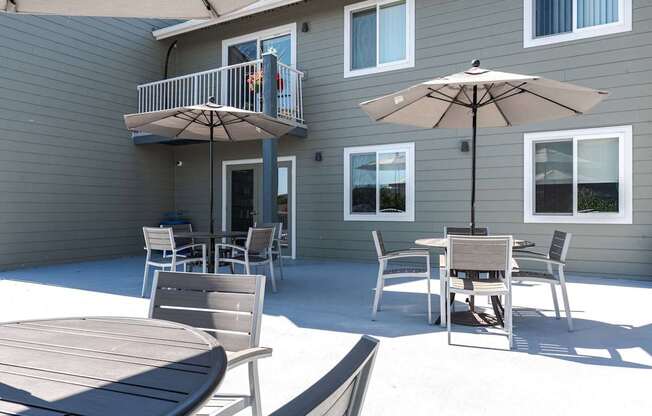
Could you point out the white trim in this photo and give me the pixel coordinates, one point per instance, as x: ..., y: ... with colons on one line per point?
x: 408, y: 62
x: 289, y: 29
x: 408, y: 215
x: 624, y: 24
x: 625, y: 203
x: 293, y: 161
x: 192, y: 25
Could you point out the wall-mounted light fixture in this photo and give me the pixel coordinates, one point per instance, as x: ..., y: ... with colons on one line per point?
x: 318, y: 157
x: 179, y: 163
x: 464, y: 147
x: 305, y: 27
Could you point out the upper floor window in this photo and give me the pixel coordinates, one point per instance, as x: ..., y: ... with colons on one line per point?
x: 579, y: 176
x: 378, y: 36
x: 250, y: 47
x: 552, y: 21
x: 379, y: 183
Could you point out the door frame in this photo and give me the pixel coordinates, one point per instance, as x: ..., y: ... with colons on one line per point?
x: 293, y: 161
x: 260, y: 35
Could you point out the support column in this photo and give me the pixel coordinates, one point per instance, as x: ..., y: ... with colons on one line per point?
x: 270, y: 145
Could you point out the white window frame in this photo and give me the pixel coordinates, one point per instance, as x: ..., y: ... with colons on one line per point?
x: 289, y: 29
x: 408, y: 215
x: 623, y: 133
x: 408, y: 62
x: 624, y: 24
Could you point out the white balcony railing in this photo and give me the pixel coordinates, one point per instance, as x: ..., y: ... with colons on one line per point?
x: 239, y: 86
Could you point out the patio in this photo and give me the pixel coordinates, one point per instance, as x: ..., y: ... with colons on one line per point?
x: 322, y: 307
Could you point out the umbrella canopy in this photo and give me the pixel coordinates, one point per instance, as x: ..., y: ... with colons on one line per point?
x: 484, y: 98
x: 194, y: 122
x: 162, y: 9
x: 208, y: 122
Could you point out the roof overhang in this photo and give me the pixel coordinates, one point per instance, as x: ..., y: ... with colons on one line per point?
x: 191, y: 25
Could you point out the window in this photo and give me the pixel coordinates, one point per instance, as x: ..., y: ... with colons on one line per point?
x: 579, y: 176
x: 378, y: 36
x: 379, y: 183
x: 252, y: 46
x: 552, y: 21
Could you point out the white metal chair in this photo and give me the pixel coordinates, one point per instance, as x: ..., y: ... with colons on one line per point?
x: 480, y: 254
x: 342, y: 390
x: 556, y: 257
x: 387, y: 270
x: 276, y: 244
x: 442, y: 266
x: 227, y: 306
x: 162, y: 240
x: 257, y: 251
x: 180, y: 228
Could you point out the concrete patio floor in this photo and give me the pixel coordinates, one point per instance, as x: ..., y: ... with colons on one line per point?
x: 322, y: 307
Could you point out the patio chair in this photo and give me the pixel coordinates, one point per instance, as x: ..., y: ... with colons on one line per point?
x: 257, y: 251
x: 180, y: 228
x: 276, y: 245
x: 480, y: 254
x: 390, y: 268
x: 342, y: 390
x: 226, y: 306
x: 442, y: 265
x: 162, y: 239
x: 556, y: 257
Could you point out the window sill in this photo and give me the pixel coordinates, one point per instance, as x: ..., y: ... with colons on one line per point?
x: 378, y: 69
x: 589, y: 219
x: 590, y: 32
x: 377, y: 218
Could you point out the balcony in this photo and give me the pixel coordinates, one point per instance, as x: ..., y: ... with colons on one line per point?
x: 239, y: 86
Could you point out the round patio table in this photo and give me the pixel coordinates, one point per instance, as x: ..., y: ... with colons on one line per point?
x: 470, y: 317
x: 106, y: 367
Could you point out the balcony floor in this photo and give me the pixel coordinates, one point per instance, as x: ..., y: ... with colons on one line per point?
x: 322, y: 307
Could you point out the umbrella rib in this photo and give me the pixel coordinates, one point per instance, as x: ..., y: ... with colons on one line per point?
x: 446, y: 110
x: 186, y: 126
x: 502, y: 94
x: 452, y: 100
x: 487, y: 90
x: 243, y: 119
x: 550, y: 100
x: 403, y: 106
x: 228, y: 135
x: 500, y: 110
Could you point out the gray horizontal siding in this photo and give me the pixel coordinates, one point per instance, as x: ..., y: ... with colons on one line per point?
x: 449, y: 33
x: 73, y: 185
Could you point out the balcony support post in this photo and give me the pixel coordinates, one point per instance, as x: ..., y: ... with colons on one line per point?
x: 270, y: 145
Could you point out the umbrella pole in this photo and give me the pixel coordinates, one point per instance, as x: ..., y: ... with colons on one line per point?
x: 474, y: 111
x: 210, y: 184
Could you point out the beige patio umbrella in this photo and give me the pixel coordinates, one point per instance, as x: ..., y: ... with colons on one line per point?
x: 482, y: 98
x: 208, y: 122
x: 161, y: 9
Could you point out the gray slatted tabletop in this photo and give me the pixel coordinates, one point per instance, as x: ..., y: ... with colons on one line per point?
x: 106, y: 367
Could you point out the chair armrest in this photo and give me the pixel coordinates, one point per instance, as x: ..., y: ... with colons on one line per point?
x: 540, y: 260
x: 232, y: 246
x: 234, y: 359
x: 528, y: 253
x: 405, y: 254
x: 187, y: 246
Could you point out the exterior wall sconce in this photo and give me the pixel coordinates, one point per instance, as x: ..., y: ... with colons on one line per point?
x: 179, y: 163
x: 464, y: 148
x: 305, y: 27
x: 318, y: 157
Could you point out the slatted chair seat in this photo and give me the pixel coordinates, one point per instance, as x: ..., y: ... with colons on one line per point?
x: 404, y: 270
x: 223, y: 405
x: 478, y: 286
x: 257, y: 251
x: 532, y: 275
x: 252, y: 258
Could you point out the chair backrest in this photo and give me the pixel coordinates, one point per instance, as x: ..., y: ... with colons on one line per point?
x: 480, y: 253
x: 157, y: 238
x: 379, y: 243
x: 259, y: 240
x: 181, y: 228
x: 228, y: 306
x: 465, y: 231
x: 341, y: 391
x: 277, y: 226
x: 559, y: 245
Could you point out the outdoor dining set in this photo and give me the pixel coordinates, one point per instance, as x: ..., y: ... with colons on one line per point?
x: 476, y: 264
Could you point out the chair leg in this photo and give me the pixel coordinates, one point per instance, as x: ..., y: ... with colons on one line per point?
x: 564, y: 294
x: 429, y: 303
x: 280, y: 263
x: 509, y: 320
x: 271, y: 273
x: 379, y: 290
x: 553, y: 289
x: 254, y: 389
x: 448, y: 316
x: 442, y: 297
x: 142, y: 295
